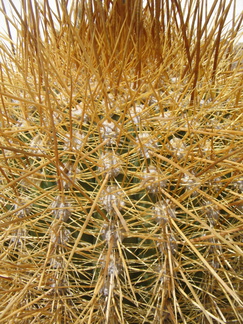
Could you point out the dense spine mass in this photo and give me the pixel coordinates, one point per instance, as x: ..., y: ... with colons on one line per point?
x: 121, y: 164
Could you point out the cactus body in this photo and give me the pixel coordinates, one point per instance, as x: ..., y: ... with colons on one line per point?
x: 121, y: 166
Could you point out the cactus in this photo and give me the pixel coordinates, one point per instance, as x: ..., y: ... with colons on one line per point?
x: 121, y: 163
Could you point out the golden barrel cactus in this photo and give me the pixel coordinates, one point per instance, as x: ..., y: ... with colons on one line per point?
x: 121, y: 163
